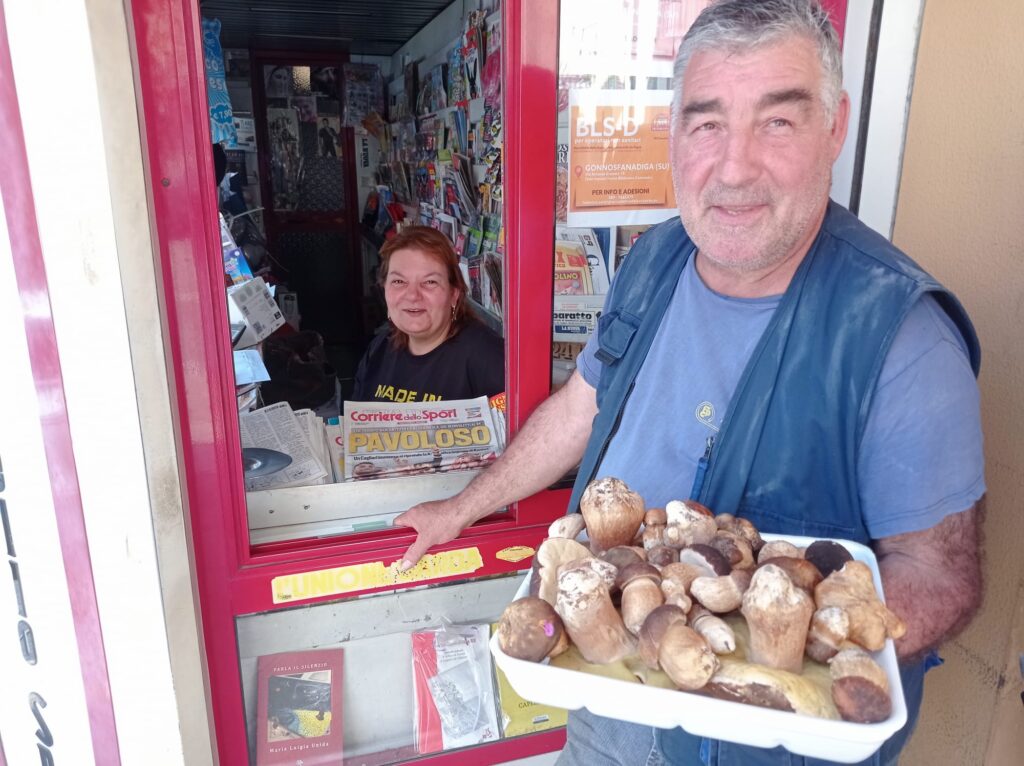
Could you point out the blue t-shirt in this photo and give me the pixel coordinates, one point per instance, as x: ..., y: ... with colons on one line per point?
x: 921, y: 455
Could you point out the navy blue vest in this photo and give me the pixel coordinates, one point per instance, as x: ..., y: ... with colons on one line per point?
x: 785, y: 456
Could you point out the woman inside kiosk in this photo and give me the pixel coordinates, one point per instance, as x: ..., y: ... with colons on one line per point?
x: 435, y: 349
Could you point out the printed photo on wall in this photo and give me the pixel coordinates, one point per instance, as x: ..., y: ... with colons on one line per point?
x: 306, y: 107
x: 278, y: 81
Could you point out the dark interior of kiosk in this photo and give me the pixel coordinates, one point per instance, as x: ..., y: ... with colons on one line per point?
x: 308, y: 82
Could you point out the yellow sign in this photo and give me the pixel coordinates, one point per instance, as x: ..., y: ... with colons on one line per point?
x: 333, y: 582
x: 515, y: 553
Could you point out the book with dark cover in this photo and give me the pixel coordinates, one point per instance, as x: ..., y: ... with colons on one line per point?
x: 299, y: 708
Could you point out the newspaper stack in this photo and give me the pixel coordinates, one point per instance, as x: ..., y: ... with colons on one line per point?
x: 386, y: 439
x: 300, y: 435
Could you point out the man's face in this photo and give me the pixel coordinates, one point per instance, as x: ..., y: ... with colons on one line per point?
x: 752, y: 153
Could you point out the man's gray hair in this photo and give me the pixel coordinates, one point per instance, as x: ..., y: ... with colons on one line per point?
x: 739, y: 25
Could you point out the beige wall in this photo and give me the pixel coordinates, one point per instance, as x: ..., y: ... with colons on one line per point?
x: 961, y: 214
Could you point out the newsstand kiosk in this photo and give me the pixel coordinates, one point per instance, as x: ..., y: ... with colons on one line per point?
x: 317, y: 588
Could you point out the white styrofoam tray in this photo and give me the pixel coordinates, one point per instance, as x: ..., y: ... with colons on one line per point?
x: 840, y: 741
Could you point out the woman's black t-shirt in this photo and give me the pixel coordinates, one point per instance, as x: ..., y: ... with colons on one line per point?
x: 468, y: 365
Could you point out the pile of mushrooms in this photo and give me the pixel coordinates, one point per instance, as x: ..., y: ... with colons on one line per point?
x: 655, y: 584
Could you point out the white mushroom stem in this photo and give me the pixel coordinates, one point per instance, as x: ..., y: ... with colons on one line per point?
x: 829, y: 628
x: 778, y: 615
x: 590, y: 618
x: 714, y: 629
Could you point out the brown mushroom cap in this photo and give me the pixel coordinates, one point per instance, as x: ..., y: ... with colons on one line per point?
x: 655, y: 517
x: 860, y: 687
x: 636, y: 571
x: 735, y: 548
x: 654, y: 628
x: 705, y: 557
x: 742, y: 527
x: 685, y: 657
x: 621, y: 556
x: 530, y: 629
x: 662, y: 555
x: 774, y: 548
x: 827, y: 555
x: 801, y: 571
x: 613, y: 513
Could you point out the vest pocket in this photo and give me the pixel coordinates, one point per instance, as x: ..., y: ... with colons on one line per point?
x: 615, y: 333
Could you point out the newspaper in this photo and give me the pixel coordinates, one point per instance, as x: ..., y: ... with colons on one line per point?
x: 276, y: 427
x: 386, y: 439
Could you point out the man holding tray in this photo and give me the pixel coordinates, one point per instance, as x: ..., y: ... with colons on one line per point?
x: 769, y: 356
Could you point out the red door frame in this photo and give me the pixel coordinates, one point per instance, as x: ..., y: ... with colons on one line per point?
x: 234, y: 579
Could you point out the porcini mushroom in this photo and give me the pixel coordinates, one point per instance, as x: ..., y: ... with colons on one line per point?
x: 801, y: 571
x: 860, y: 687
x: 612, y: 512
x: 675, y: 583
x: 742, y: 527
x: 716, y: 631
x: 662, y: 555
x: 568, y: 526
x: 685, y: 657
x: 723, y: 593
x: 775, y: 548
x: 530, y: 629
x: 654, y: 628
x: 829, y: 628
x: 853, y: 589
x: 735, y: 548
x: 553, y: 553
x: 688, y: 524
x: 828, y: 556
x: 590, y: 618
x: 640, y: 584
x: 778, y: 615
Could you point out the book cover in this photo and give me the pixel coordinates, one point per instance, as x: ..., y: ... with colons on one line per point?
x: 299, y: 709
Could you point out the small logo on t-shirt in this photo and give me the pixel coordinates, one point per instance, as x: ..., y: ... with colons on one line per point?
x: 705, y: 413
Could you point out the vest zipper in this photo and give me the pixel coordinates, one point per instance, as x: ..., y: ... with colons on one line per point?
x: 702, y: 469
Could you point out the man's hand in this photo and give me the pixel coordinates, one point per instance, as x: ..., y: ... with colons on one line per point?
x: 932, y: 580
x: 435, y: 522
x: 550, y: 443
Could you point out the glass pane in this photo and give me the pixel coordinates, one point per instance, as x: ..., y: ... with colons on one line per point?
x: 406, y: 689
x: 422, y: 133
x: 611, y: 164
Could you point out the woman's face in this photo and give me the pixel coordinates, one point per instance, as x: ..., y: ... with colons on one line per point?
x: 419, y: 298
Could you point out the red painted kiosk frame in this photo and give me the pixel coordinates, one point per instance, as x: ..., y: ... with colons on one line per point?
x: 233, y: 577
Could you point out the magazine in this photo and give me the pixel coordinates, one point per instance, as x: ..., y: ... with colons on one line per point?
x: 572, y: 272
x: 411, y: 438
x: 454, y: 692
x: 588, y: 243
x: 299, y: 704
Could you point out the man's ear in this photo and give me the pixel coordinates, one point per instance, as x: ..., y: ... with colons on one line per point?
x: 840, y: 124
